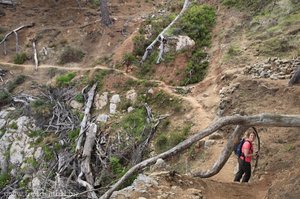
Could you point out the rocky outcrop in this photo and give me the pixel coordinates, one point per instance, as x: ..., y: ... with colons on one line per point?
x: 178, y: 43
x: 274, y: 68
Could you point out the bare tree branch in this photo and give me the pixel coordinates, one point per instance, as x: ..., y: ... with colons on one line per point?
x: 224, y: 156
x: 160, y: 36
x: 256, y: 120
x: 15, y: 32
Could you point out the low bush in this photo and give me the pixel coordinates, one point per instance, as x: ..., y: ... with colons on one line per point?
x: 20, y: 58
x: 64, y: 80
x: 70, y: 54
x: 11, y: 85
x: 4, y: 180
x: 79, y: 98
x: 198, y: 22
x: 196, y: 68
x: 5, y: 97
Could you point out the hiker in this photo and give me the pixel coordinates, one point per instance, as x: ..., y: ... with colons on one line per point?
x: 245, y: 158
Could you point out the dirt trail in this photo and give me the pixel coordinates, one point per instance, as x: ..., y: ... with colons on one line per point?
x: 197, y: 108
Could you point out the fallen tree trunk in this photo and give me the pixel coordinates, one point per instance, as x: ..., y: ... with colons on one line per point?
x: 160, y: 36
x: 85, y: 164
x: 86, y: 117
x: 256, y: 120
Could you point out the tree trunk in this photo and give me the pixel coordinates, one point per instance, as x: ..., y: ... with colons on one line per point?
x: 246, y: 121
x: 86, y: 116
x: 105, y: 19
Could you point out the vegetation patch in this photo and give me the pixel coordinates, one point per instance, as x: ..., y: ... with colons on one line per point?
x: 64, y: 80
x: 4, y: 180
x: 253, y: 5
x: 20, y: 58
x: 198, y: 22
x: 70, y: 54
x: 196, y: 68
x: 11, y: 85
x: 166, y: 141
x: 5, y: 97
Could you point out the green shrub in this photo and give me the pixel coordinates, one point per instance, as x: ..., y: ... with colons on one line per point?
x: 11, y: 85
x: 73, y: 135
x: 135, y: 122
x: 162, y: 143
x: 196, y: 68
x: 13, y: 125
x: 20, y: 58
x: 140, y: 44
x: 176, y: 138
x: 4, y: 180
x: 116, y: 166
x: 48, y: 153
x: 5, y: 97
x: 198, y: 22
x: 64, y: 80
x: 71, y: 55
x: 79, y: 98
x: 129, y: 59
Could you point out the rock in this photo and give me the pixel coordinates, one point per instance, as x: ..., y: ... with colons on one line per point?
x: 160, y: 165
x: 115, y: 99
x: 2, y: 123
x: 103, y: 118
x: 76, y: 105
x: 38, y: 154
x: 36, y: 185
x: 3, y: 113
x: 130, y: 109
x: 131, y: 95
x: 151, y: 91
x: 209, y: 143
x: 178, y: 43
x: 112, y: 108
x: 101, y: 100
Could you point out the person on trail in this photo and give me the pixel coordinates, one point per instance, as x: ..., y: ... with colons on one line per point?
x: 245, y: 159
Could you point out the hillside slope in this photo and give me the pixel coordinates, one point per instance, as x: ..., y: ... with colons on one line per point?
x: 252, y: 55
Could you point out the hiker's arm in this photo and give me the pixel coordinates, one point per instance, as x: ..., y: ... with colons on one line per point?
x: 246, y: 153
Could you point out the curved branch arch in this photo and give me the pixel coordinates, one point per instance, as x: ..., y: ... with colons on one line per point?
x: 244, y: 123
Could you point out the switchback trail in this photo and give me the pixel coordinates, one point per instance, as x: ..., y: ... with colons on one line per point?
x: 197, y: 108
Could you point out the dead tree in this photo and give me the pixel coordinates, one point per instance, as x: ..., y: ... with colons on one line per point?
x: 244, y: 122
x: 36, y: 61
x: 16, y: 34
x: 86, y: 170
x: 86, y: 117
x: 160, y: 37
x: 105, y: 19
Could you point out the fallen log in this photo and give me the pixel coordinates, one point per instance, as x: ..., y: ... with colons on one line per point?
x: 85, y: 164
x: 86, y: 117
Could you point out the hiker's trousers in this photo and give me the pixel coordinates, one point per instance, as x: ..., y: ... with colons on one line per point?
x: 244, y: 168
